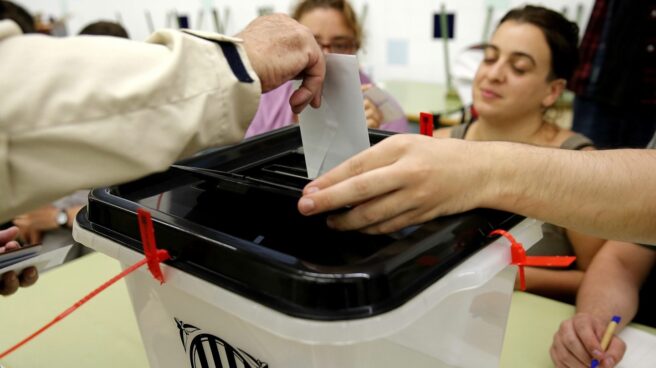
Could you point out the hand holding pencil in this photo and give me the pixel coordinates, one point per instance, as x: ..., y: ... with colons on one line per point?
x: 580, y: 340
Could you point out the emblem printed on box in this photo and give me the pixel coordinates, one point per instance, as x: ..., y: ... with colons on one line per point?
x: 206, y: 350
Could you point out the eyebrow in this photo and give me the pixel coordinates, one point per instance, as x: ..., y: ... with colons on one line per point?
x: 514, y: 53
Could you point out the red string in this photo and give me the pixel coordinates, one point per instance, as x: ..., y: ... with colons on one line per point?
x: 155, y: 256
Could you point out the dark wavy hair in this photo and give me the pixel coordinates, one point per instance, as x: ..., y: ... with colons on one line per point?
x: 18, y: 14
x: 562, y: 37
x: 105, y: 28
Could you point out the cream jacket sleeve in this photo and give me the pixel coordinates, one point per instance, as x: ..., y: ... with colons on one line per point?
x: 90, y: 111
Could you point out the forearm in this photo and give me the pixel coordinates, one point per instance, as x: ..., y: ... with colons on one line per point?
x: 103, y: 111
x: 608, y: 290
x: 606, y: 193
x: 553, y: 283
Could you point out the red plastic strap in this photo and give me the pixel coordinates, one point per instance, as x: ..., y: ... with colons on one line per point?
x: 426, y: 125
x: 150, y: 248
x: 154, y: 255
x: 519, y: 258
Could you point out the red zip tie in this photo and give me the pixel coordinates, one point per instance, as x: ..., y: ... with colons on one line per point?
x: 519, y: 258
x: 150, y: 248
x: 153, y: 258
x: 426, y: 125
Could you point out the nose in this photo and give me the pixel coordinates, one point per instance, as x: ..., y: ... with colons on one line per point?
x: 497, y: 71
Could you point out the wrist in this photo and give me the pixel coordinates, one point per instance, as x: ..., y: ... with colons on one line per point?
x: 496, y: 167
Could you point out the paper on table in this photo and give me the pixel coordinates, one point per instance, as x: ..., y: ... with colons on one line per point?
x: 640, y: 348
x: 338, y: 129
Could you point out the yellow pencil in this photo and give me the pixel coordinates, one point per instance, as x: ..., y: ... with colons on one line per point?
x: 605, y: 341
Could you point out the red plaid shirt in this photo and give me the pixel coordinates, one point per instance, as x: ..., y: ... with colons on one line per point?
x: 589, y: 47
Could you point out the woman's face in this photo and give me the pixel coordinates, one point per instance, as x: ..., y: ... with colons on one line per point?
x: 511, y: 81
x: 330, y: 30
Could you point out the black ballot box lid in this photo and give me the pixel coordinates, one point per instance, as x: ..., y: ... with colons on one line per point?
x: 229, y: 216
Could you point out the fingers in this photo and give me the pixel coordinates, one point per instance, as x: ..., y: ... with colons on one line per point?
x: 351, y: 182
x: 373, y: 216
x: 9, y: 283
x: 380, y: 155
x: 577, y: 342
x: 614, y: 353
x: 396, y: 222
x: 360, y: 188
x: 35, y: 237
x: 28, y: 277
x: 9, y: 234
x: 372, y: 114
x: 300, y: 99
x: 280, y: 49
x: 23, y: 225
x: 589, y: 331
x: 567, y: 349
x: 312, y: 85
x: 11, y: 245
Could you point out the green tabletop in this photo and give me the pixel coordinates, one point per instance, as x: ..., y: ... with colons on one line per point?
x: 416, y: 97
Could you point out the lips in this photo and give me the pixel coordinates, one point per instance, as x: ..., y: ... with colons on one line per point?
x: 489, y: 94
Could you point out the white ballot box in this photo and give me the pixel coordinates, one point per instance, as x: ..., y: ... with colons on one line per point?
x: 252, y: 283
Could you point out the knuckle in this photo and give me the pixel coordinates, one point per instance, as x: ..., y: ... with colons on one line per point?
x: 369, y: 217
x: 356, y: 167
x: 361, y: 187
x: 569, y: 340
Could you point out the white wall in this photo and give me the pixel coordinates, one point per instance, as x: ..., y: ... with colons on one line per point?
x: 409, y: 21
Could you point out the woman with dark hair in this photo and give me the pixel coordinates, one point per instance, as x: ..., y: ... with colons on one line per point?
x: 105, y: 28
x: 526, y: 65
x: 336, y: 29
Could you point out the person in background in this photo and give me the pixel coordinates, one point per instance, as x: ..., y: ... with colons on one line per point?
x: 615, y: 84
x: 100, y: 111
x: 52, y: 224
x: 10, y: 281
x: 105, y: 28
x: 526, y: 65
x: 336, y: 29
x: 18, y: 15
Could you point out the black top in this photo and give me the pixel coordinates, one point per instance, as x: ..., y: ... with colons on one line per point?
x: 229, y: 216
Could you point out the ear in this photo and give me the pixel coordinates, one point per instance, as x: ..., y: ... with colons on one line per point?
x: 554, y: 90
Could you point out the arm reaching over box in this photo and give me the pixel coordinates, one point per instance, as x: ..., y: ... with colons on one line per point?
x: 409, y: 179
x: 113, y: 110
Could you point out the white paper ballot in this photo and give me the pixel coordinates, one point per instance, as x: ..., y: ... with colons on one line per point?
x: 640, y: 348
x: 338, y: 129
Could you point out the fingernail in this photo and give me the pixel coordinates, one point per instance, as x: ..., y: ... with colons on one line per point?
x: 30, y: 272
x: 596, y: 353
x: 306, y: 205
x: 330, y: 223
x: 311, y: 190
x: 609, y: 362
